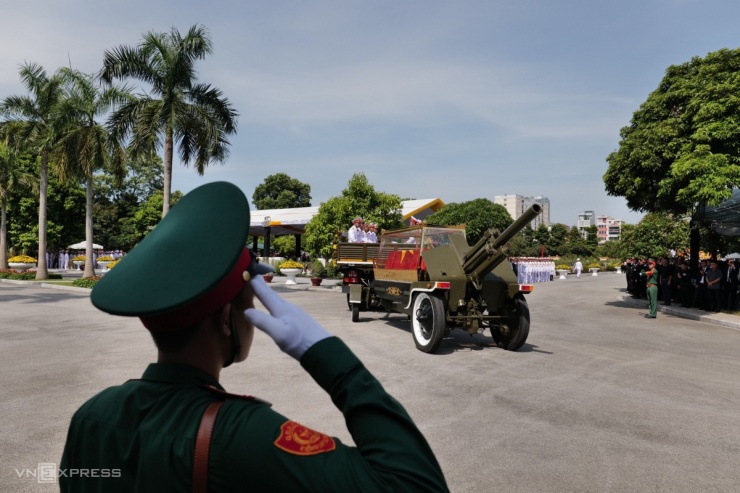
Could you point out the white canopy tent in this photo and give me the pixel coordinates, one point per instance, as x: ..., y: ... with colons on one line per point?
x: 81, y: 246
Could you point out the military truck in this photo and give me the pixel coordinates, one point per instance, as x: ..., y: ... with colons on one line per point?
x: 432, y: 275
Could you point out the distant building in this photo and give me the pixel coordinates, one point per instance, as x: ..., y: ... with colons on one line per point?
x: 608, y: 229
x: 515, y: 205
x: 585, y: 220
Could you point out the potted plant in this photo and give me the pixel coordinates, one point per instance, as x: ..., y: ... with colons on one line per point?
x: 267, y: 277
x: 563, y: 270
x: 21, y: 262
x: 318, y: 272
x: 78, y: 261
x: 104, y: 261
x: 291, y: 268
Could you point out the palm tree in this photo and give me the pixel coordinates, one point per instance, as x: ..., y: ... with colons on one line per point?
x: 31, y: 127
x: 11, y: 178
x: 195, y: 116
x: 84, y: 145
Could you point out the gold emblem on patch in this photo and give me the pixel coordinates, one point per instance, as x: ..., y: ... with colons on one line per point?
x: 299, y: 440
x: 393, y: 291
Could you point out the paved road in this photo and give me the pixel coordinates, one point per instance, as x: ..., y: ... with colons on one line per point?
x: 599, y: 399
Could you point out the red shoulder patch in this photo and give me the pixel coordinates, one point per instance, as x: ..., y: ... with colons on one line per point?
x: 296, y: 439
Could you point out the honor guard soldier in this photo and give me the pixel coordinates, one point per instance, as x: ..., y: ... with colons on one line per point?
x: 651, y: 282
x: 356, y: 234
x: 177, y: 429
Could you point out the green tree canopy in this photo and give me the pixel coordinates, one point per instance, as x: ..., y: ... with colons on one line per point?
x: 13, y: 179
x: 280, y: 191
x: 359, y: 199
x: 556, y: 241
x: 682, y: 146
x: 477, y: 215
x: 656, y: 235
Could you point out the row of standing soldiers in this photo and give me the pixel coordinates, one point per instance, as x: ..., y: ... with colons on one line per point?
x: 713, y: 287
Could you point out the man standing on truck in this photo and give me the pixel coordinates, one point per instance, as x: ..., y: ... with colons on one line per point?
x: 356, y: 234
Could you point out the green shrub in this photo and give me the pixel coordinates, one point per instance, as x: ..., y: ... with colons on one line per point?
x: 318, y: 269
x: 331, y: 270
x: 24, y: 276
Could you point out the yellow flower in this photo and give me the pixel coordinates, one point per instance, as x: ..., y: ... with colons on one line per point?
x: 291, y: 264
x: 22, y: 259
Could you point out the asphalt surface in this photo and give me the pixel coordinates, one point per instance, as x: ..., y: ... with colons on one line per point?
x: 599, y: 399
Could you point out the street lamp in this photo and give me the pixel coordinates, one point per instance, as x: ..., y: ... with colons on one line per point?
x: 266, y: 245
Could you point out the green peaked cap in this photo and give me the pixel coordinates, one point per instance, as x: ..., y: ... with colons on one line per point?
x: 190, y: 252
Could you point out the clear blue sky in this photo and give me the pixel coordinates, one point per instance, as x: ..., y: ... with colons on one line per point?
x: 455, y: 100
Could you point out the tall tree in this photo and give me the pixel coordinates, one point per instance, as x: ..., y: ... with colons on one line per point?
x: 682, y: 146
x: 477, y: 215
x: 84, y: 144
x: 280, y: 191
x: 12, y: 179
x: 656, y: 235
x: 30, y: 126
x: 195, y: 116
x: 359, y: 199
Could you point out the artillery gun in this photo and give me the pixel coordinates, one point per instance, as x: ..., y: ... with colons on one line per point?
x: 432, y: 275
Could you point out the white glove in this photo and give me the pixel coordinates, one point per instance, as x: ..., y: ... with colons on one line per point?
x: 292, y: 329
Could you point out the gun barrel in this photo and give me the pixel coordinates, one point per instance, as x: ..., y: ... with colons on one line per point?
x: 485, y: 255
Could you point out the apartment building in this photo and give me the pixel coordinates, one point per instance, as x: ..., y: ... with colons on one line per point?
x: 608, y: 228
x: 515, y: 205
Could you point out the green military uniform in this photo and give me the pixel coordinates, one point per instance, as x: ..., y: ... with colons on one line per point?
x: 141, y: 435
x: 651, y: 281
x: 146, y: 428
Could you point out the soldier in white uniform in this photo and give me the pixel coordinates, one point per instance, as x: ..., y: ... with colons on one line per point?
x: 355, y: 233
x: 371, y: 236
x: 578, y: 267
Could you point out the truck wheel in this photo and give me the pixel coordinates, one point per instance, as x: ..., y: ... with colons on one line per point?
x: 428, y: 322
x: 512, y: 335
x: 355, y: 312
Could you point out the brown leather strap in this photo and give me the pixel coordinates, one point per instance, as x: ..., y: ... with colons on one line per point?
x: 203, y: 447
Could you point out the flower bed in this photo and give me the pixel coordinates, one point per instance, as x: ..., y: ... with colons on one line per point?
x: 86, y: 282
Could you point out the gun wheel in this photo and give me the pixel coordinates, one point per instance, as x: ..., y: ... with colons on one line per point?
x: 428, y: 322
x: 513, y: 334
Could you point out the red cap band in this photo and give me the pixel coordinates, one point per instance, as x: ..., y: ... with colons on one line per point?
x: 195, y: 311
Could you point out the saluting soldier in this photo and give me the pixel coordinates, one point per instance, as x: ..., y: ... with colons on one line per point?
x: 177, y: 429
x: 651, y: 282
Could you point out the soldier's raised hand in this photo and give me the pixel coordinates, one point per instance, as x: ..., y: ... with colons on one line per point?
x: 292, y: 329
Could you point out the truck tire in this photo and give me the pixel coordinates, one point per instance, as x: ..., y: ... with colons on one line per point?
x: 428, y: 322
x: 513, y: 334
x: 355, y: 312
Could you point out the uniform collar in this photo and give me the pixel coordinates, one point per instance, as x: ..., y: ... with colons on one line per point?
x: 179, y: 374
